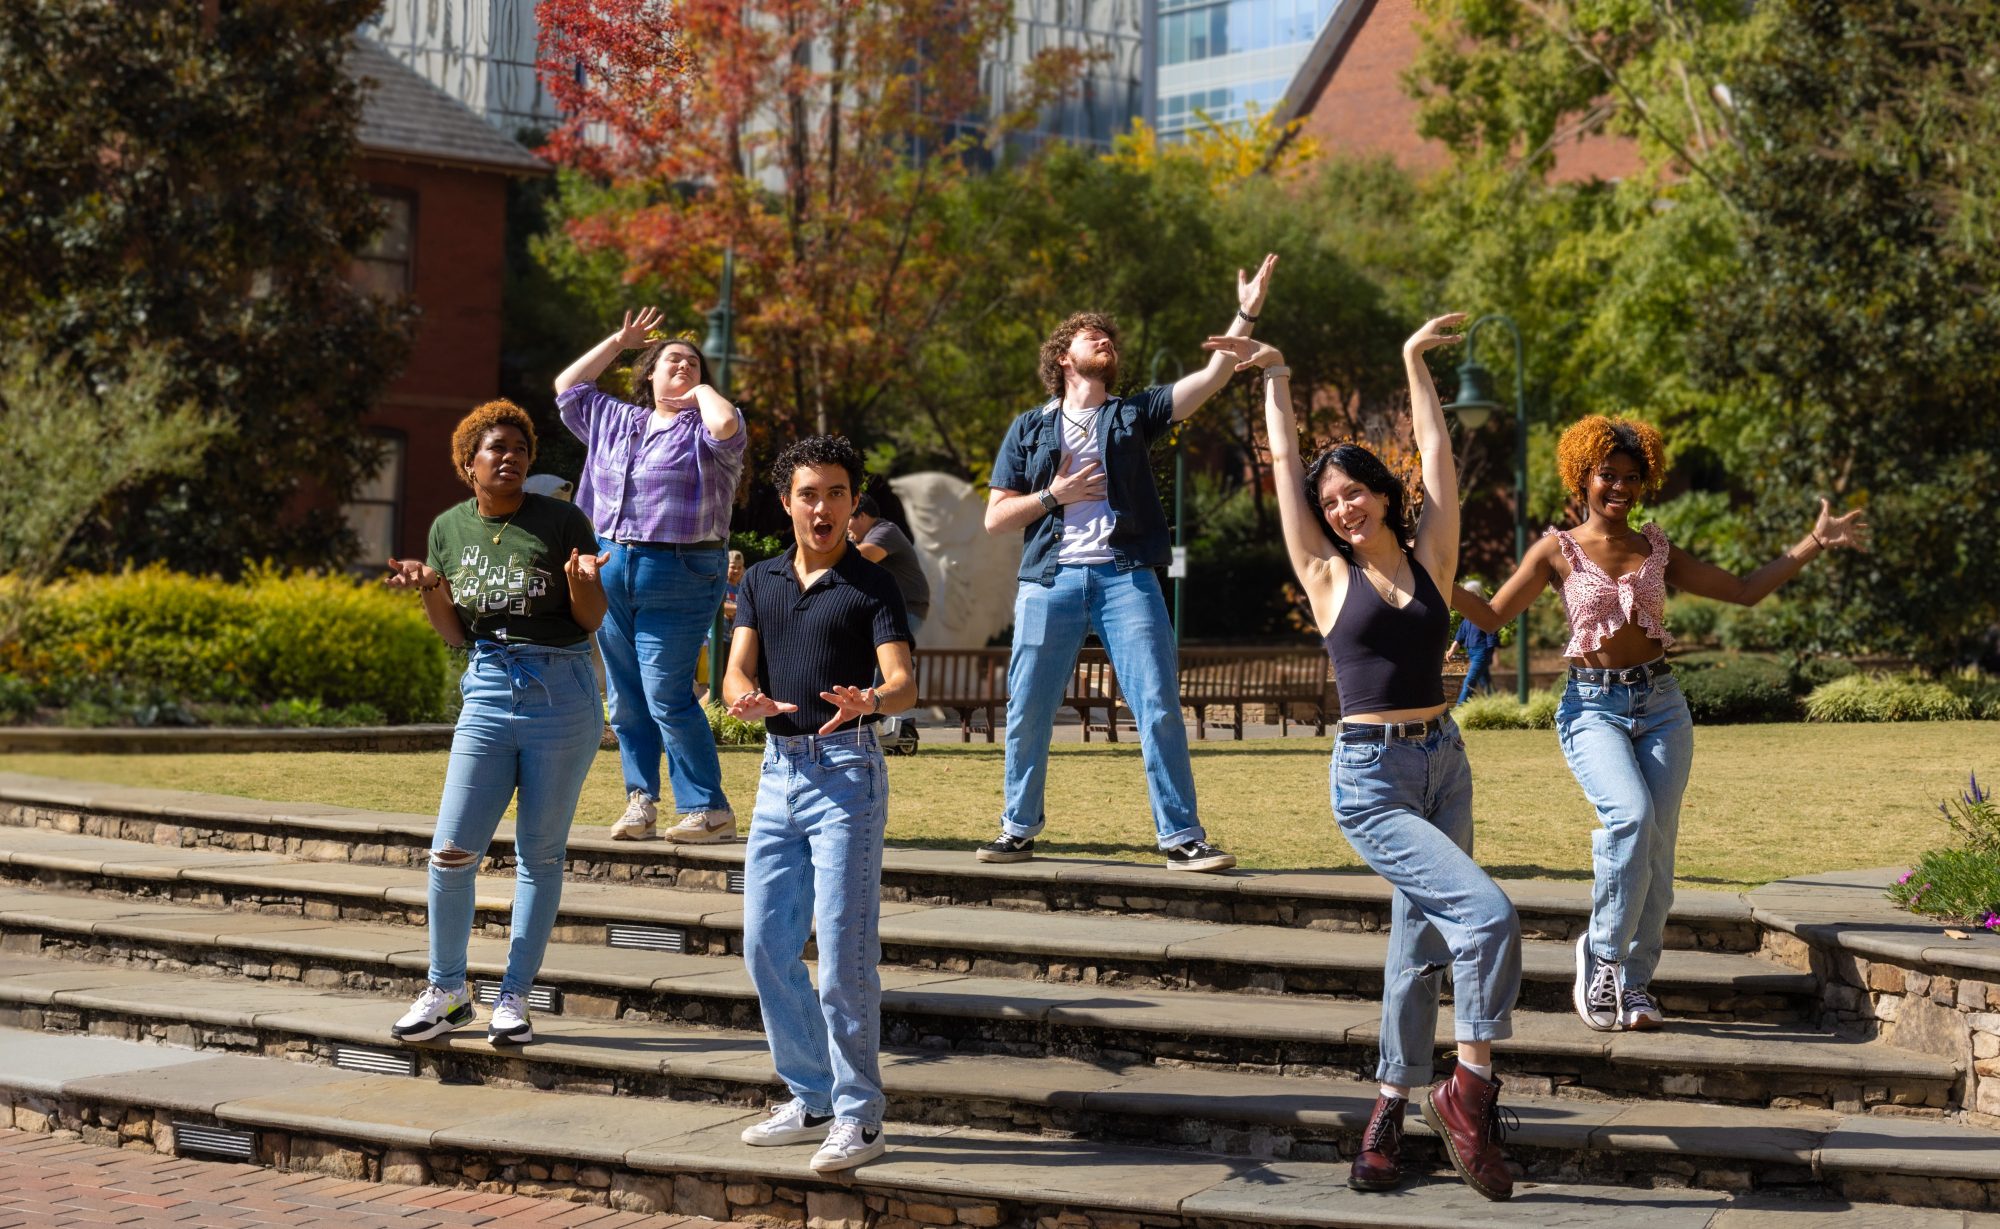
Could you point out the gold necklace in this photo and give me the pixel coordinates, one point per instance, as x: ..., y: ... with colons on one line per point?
x: 1388, y: 598
x: 510, y: 520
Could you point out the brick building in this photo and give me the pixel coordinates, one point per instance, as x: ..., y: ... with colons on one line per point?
x: 442, y: 174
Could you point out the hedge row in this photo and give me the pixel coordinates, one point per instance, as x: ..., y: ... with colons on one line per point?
x: 158, y: 637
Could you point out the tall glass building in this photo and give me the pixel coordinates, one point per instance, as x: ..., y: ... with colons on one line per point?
x: 1217, y: 57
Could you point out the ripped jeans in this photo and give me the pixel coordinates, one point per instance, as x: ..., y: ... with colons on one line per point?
x: 530, y: 725
x: 1405, y: 805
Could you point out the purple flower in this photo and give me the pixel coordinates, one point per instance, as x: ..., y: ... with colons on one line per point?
x: 1905, y: 878
x: 1977, y: 795
x: 1992, y: 921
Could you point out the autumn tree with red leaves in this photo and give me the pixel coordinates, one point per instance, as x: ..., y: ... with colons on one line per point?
x: 818, y: 138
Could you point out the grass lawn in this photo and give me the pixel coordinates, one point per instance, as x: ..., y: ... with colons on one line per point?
x: 1765, y: 801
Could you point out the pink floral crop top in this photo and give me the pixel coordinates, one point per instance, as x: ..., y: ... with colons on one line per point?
x: 1599, y: 604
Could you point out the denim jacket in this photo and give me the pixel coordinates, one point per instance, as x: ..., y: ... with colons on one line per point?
x: 1127, y: 429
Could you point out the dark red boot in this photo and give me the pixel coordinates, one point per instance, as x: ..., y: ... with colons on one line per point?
x: 1464, y: 1110
x: 1379, y: 1164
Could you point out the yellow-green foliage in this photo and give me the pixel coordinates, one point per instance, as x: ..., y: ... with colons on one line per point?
x: 1859, y: 697
x: 270, y: 636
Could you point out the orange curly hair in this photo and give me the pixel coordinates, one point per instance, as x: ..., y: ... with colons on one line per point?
x: 473, y: 427
x: 1589, y: 440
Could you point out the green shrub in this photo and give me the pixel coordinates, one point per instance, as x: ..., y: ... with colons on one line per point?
x: 17, y: 699
x: 1693, y: 620
x: 731, y: 731
x: 1491, y: 711
x: 141, y: 646
x: 1540, y: 712
x: 1813, y: 672
x: 1980, y: 692
x: 1880, y: 697
x: 1960, y: 882
x: 1738, y: 689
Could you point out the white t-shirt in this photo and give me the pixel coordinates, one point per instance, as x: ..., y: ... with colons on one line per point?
x: 1086, y: 536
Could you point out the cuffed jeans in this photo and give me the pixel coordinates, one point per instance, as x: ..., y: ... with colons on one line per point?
x: 660, y: 603
x: 1478, y: 675
x: 1630, y: 746
x: 1130, y: 618
x: 530, y: 725
x: 1406, y: 808
x: 814, y: 861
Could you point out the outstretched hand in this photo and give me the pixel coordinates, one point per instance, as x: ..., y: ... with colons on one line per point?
x: 408, y: 574
x: 1251, y: 288
x: 632, y: 334
x: 755, y: 706
x: 1432, y: 335
x: 1850, y: 531
x: 1247, y: 352
x: 585, y: 568
x: 848, y: 703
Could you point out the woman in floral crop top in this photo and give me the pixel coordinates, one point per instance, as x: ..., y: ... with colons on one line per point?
x: 1623, y: 722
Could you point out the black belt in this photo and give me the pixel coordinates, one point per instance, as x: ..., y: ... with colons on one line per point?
x: 1394, y: 729
x: 1630, y: 676
x: 709, y: 545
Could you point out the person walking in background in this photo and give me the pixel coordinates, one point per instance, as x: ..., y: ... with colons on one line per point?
x: 513, y: 578
x: 658, y: 482
x: 1480, y: 646
x: 813, y: 627
x: 1075, y: 477
x: 1623, y: 722
x: 1402, y: 791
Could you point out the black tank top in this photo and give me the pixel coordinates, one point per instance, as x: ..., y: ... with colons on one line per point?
x: 1384, y: 658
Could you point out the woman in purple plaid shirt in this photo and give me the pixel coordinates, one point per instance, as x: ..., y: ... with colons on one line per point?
x: 658, y: 483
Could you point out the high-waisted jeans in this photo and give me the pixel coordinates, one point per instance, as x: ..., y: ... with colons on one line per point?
x: 814, y: 862
x: 530, y: 726
x: 660, y: 604
x: 1630, y: 746
x: 1406, y: 808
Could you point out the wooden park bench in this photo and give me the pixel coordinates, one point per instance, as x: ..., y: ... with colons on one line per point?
x: 1288, y: 678
x: 963, y: 681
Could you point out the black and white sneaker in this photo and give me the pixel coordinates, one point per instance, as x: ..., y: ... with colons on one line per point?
x: 848, y: 1145
x: 1642, y: 1012
x: 509, y: 1024
x: 788, y: 1124
x: 1008, y: 849
x: 1596, y: 992
x: 1199, y: 856
x: 434, y: 1013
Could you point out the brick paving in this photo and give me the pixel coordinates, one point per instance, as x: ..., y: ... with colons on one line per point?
x: 58, y: 1182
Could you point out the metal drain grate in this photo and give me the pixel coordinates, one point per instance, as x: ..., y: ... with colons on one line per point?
x: 214, y: 1141
x: 540, y: 998
x: 374, y: 1062
x: 736, y: 882
x: 647, y: 938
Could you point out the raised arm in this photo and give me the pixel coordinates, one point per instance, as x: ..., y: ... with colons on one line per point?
x: 1437, y: 532
x: 1703, y: 579
x: 1193, y: 390
x: 629, y: 335
x: 718, y: 414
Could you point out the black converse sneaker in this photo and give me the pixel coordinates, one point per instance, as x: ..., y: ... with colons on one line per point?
x: 1642, y: 1012
x: 1199, y: 856
x: 1596, y: 992
x: 1008, y: 849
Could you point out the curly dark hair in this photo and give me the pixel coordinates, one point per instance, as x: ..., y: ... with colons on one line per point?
x: 1058, y: 345
x: 642, y: 371
x: 471, y: 429
x: 1367, y: 469
x: 819, y: 450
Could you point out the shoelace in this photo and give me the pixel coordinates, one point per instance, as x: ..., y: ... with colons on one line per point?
x: 844, y: 1135
x: 1603, y: 991
x: 432, y: 998
x: 1640, y: 1000
x: 512, y: 1003
x: 1501, y: 1123
x: 1386, y: 1125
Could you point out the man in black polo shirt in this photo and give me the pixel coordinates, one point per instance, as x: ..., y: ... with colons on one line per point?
x: 813, y: 626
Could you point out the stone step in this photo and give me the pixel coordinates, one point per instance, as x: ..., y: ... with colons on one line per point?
x: 1176, y: 953
x: 1560, y: 1138
x: 685, y: 1156
x: 1321, y: 900
x: 1741, y: 1062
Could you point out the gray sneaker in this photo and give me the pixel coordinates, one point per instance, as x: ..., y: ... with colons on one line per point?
x: 1597, y: 990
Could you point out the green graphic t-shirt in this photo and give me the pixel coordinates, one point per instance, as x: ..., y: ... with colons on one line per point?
x: 514, y: 589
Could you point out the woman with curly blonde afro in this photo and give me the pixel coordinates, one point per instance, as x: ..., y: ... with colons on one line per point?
x: 1623, y: 722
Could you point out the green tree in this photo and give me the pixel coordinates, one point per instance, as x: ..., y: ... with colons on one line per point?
x: 184, y: 184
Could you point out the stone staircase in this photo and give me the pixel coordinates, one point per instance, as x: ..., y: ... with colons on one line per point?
x: 1108, y: 1042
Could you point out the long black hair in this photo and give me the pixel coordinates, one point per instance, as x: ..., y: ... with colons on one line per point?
x: 642, y: 371
x: 1367, y: 469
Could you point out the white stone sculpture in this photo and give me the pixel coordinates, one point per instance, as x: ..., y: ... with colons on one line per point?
x: 971, y: 572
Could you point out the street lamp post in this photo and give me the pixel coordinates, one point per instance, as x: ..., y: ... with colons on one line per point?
x: 1475, y: 404
x: 720, y: 346
x: 1161, y: 357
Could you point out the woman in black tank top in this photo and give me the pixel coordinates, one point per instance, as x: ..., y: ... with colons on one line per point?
x: 1402, y: 793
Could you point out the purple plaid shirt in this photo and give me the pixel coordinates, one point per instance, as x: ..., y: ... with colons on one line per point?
x: 674, y: 485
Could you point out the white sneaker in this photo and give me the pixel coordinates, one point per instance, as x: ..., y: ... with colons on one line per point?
x: 636, y: 824
x: 704, y: 828
x: 509, y: 1023
x: 846, y: 1146
x: 435, y: 1012
x: 788, y: 1124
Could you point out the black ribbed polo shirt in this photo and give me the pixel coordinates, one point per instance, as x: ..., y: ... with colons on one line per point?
x: 811, y: 641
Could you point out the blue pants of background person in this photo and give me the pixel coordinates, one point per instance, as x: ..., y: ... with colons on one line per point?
x: 1478, y: 673
x: 814, y: 862
x: 659, y: 604
x: 530, y: 726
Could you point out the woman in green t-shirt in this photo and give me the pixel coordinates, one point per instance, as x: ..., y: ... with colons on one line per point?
x: 511, y: 578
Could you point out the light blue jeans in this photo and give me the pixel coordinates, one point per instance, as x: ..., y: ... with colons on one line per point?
x: 1630, y: 747
x: 530, y: 725
x: 660, y: 604
x: 1130, y: 618
x: 1406, y: 808
x: 814, y: 862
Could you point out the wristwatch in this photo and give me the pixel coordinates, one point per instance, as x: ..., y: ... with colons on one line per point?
x: 875, y: 698
x: 1049, y: 501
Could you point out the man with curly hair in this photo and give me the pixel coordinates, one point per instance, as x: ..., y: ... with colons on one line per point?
x: 1623, y: 722
x: 1075, y: 477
